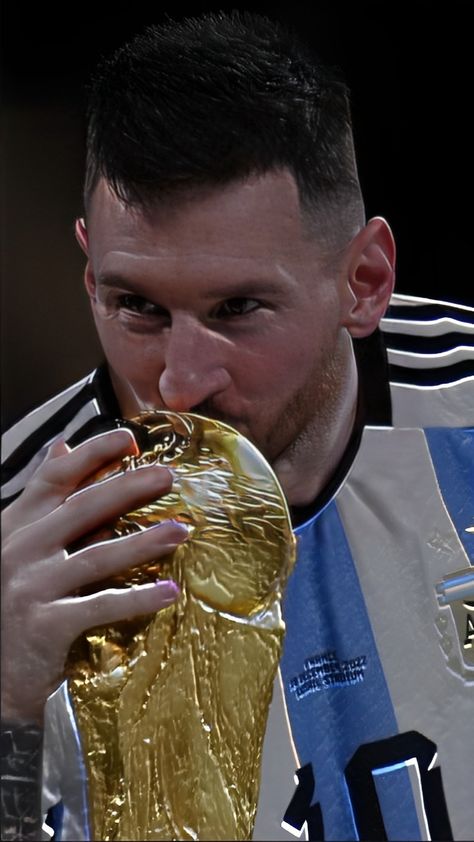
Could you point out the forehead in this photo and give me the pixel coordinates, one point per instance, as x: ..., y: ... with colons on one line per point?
x: 258, y: 218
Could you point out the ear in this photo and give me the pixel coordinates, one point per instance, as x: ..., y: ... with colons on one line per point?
x: 370, y: 274
x: 82, y: 238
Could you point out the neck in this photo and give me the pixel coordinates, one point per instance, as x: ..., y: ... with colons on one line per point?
x: 306, y: 467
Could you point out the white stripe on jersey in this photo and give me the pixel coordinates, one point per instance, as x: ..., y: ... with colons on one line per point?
x: 64, y: 775
x: 27, y: 425
x: 417, y: 545
x: 428, y: 341
x: 447, y: 405
x: 412, y: 359
x: 279, y: 762
x: 428, y: 328
x: 18, y: 482
x: 408, y: 301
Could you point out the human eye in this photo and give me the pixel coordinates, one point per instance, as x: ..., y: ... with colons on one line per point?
x: 235, y: 307
x: 138, y: 306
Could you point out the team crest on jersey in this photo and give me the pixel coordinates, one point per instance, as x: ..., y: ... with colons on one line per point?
x: 455, y: 623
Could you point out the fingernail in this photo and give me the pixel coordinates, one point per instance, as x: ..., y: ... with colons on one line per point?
x: 181, y: 531
x: 161, y: 474
x: 169, y: 590
x: 57, y: 446
x: 131, y: 443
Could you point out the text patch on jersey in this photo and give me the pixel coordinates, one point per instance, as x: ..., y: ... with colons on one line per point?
x: 323, y: 671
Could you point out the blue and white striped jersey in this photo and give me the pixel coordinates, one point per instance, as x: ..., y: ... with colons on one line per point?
x: 376, y: 689
x: 370, y: 733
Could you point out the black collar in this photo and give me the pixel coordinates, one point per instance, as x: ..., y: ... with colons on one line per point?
x: 373, y: 407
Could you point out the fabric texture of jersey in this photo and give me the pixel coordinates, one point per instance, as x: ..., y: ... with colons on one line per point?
x: 370, y: 732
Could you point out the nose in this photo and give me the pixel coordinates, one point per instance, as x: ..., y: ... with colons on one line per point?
x: 194, y: 365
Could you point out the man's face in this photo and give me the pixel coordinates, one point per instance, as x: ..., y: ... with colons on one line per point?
x: 220, y: 303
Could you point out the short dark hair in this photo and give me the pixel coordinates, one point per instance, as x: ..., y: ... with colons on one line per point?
x: 212, y: 99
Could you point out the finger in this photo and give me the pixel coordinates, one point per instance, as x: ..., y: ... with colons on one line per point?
x: 58, y: 448
x: 20, y: 512
x: 95, y: 506
x: 101, y: 561
x: 114, y: 605
x: 63, y: 470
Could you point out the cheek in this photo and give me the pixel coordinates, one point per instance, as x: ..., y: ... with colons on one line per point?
x: 134, y: 357
x: 276, y: 360
x: 282, y: 366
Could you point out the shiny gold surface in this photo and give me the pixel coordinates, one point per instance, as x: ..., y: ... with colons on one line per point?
x: 172, y: 707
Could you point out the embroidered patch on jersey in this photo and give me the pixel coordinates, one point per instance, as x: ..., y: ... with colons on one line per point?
x: 324, y: 671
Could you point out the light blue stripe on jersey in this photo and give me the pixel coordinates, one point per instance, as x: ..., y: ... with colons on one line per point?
x: 324, y: 610
x: 452, y: 454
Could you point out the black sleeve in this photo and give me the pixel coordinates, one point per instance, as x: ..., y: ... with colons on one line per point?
x: 21, y: 767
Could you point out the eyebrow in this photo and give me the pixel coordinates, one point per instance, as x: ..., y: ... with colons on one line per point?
x: 246, y: 288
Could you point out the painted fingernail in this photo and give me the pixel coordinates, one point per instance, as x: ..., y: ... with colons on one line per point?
x: 180, y: 531
x: 169, y: 591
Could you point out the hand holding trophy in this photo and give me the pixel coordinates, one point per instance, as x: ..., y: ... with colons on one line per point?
x: 172, y: 707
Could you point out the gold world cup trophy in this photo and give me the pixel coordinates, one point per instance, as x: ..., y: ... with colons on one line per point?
x: 172, y: 707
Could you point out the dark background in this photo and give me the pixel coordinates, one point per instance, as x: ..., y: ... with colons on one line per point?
x: 408, y: 66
